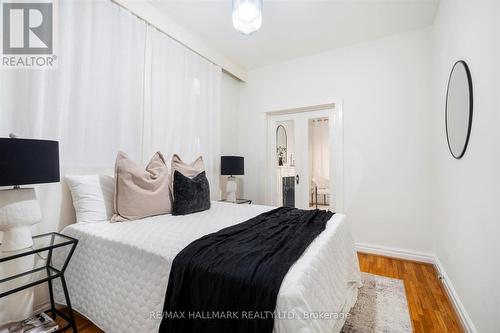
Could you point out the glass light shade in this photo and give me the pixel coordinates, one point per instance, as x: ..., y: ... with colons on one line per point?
x: 247, y: 15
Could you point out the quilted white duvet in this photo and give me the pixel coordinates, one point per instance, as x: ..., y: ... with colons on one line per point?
x: 118, y: 274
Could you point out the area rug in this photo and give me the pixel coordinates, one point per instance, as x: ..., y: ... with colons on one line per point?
x: 381, y: 307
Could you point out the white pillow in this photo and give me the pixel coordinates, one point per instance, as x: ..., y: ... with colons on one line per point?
x: 93, y: 197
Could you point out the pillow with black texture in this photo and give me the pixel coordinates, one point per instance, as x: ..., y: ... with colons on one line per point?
x: 191, y: 195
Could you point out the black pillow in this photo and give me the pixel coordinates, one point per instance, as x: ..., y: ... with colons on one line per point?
x: 191, y: 195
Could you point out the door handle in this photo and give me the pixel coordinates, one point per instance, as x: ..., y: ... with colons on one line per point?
x: 297, y: 178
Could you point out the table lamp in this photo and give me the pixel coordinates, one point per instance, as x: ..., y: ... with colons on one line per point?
x: 23, y: 162
x: 232, y: 166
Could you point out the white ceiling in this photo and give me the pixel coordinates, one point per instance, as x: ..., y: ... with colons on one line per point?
x: 295, y: 28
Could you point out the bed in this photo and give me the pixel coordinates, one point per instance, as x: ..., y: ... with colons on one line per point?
x: 118, y: 275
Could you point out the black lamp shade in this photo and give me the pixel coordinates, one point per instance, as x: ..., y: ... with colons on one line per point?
x: 232, y: 165
x: 25, y: 161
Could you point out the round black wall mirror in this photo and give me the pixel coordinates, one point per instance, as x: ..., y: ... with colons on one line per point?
x: 459, y: 105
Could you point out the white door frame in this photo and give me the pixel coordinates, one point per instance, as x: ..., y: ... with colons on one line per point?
x: 336, y: 126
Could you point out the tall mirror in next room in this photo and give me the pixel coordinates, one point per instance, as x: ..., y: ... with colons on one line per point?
x: 281, y: 145
x: 285, y: 143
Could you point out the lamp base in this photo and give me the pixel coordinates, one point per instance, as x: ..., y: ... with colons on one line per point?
x: 231, y: 188
x: 16, y: 239
x: 19, y: 210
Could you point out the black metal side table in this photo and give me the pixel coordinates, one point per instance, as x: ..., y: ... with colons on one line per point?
x: 46, y: 273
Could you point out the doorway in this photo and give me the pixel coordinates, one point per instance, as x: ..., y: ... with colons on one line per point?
x: 304, y: 163
x: 319, y: 163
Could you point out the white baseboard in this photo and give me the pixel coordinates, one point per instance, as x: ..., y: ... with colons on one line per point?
x: 458, y: 306
x: 395, y: 253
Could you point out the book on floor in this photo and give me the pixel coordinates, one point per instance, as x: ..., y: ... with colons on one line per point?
x: 40, y: 323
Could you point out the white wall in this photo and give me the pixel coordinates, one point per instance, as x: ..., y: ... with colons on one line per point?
x: 467, y: 191
x: 384, y: 86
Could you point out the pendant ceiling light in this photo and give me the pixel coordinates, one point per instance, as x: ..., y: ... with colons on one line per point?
x: 247, y: 15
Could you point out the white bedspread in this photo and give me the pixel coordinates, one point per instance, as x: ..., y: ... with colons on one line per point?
x: 118, y: 274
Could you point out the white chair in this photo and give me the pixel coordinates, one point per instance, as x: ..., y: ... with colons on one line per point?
x: 320, y: 187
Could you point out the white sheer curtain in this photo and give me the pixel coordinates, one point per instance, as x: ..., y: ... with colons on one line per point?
x: 182, y: 112
x: 120, y: 84
x: 320, y: 149
x: 92, y: 102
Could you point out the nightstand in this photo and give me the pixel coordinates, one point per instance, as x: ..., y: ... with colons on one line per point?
x: 44, y: 243
x: 238, y: 201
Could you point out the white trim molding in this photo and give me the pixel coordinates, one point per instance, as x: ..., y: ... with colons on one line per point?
x: 404, y: 254
x: 395, y: 253
x: 459, y: 307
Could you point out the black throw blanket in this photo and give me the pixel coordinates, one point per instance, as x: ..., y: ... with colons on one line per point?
x: 228, y: 281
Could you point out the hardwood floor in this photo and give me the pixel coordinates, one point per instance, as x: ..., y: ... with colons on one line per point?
x: 430, y: 309
x: 83, y: 325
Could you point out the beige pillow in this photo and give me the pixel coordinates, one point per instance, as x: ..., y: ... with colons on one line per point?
x: 140, y: 193
x: 188, y: 170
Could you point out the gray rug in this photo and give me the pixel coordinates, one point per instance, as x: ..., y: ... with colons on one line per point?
x: 381, y: 307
